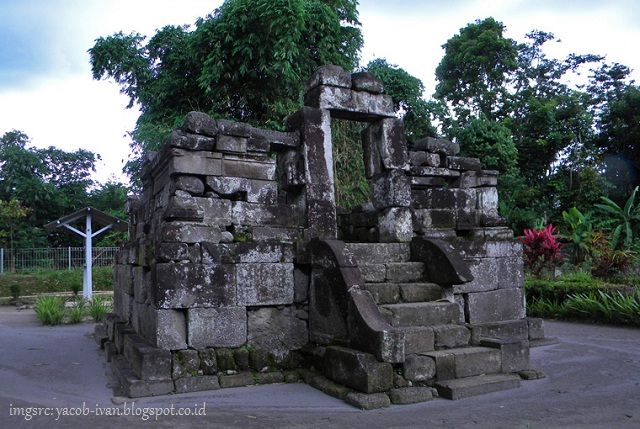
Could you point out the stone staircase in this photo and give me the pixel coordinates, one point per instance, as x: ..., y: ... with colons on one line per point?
x: 438, y: 349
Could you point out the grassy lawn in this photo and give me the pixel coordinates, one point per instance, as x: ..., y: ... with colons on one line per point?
x: 36, y: 282
x: 578, y: 295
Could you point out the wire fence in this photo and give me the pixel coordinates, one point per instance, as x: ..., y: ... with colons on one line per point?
x: 58, y: 258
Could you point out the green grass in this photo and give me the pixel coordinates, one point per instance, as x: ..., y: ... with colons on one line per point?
x: 37, y: 282
x: 579, y: 296
x: 50, y: 310
x: 98, y: 308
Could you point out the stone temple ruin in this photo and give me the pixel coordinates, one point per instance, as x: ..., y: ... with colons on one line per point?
x: 240, y: 270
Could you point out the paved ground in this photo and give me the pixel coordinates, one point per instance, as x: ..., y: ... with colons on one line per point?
x: 593, y: 380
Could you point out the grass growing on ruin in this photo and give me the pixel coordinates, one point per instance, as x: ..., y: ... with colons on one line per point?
x: 37, y: 282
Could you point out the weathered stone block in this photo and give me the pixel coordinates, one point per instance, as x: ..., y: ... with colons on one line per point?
x: 418, y: 339
x: 395, y: 225
x: 217, y: 327
x: 169, y: 327
x: 365, y: 81
x: 370, y: 401
x: 510, y: 272
x: 329, y: 75
x: 420, y: 158
x: 250, y: 168
x: 185, y: 285
x: 231, y: 144
x: 196, y: 384
x: 387, y: 137
x: 419, y: 368
x: 200, y: 123
x: 451, y: 336
x: 186, y: 363
x: 191, y: 184
x: 148, y: 363
x: 405, y: 271
x: 265, y: 284
x: 291, y: 167
x: 485, y: 276
x: 180, y: 232
x: 226, y: 360
x: 183, y: 208
x: 347, y: 104
x: 463, y: 163
x: 440, y: 146
x: 427, y: 182
x: 373, y: 273
x: 514, y: 353
x: 503, y: 249
x: 277, y: 331
x: 488, y: 206
x: 236, y: 380
x: 217, y: 211
x: 391, y: 188
x: 183, y: 140
x: 475, y: 179
x: 511, y: 329
x: 232, y: 128
x: 432, y: 218
x: 282, y: 215
x: 358, y: 370
x: 495, y: 306
x: 208, y: 361
x: 197, y: 163
x: 176, y: 252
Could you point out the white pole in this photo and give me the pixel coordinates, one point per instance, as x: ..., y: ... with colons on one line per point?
x: 69, y: 255
x: 87, y: 287
x: 1, y: 260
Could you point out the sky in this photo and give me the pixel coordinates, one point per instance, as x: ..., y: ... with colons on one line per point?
x: 46, y: 88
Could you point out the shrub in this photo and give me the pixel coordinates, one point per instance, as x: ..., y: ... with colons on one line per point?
x: 16, y: 290
x: 75, y: 288
x: 50, y: 310
x: 541, y: 249
x: 77, y: 312
x: 98, y: 308
x: 607, y: 260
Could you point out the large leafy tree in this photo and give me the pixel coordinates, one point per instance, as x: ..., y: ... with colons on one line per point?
x: 475, y: 69
x: 407, y: 93
x: 48, y: 182
x: 247, y: 61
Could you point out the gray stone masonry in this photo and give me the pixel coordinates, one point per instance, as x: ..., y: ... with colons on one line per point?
x: 236, y: 271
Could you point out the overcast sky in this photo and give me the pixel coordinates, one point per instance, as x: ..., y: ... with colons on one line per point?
x: 46, y: 88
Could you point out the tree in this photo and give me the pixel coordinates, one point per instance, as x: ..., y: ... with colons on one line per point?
x: 475, y: 68
x: 247, y: 61
x: 407, y: 93
x: 11, y: 213
x: 491, y: 142
x: 49, y: 182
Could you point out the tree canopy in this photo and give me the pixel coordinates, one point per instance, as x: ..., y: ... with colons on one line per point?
x: 246, y: 61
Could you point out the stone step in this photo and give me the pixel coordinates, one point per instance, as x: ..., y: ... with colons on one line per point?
x: 465, y: 362
x: 379, y: 253
x: 478, y: 385
x: 394, y: 293
x: 421, y: 313
x: 405, y: 271
x: 451, y: 336
x: 396, y: 272
x: 128, y: 384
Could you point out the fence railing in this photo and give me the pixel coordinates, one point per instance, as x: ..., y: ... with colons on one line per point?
x: 58, y: 258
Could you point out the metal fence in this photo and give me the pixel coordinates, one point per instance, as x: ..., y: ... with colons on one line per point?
x: 59, y: 258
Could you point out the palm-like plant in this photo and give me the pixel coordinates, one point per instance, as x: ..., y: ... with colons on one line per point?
x: 625, y: 217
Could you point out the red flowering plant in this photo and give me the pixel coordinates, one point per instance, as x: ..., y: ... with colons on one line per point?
x: 541, y: 249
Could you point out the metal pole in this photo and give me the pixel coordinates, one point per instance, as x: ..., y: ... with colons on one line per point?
x: 1, y: 261
x: 87, y: 287
x: 69, y: 254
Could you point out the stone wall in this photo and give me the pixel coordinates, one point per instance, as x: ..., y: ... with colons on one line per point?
x: 234, y: 245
